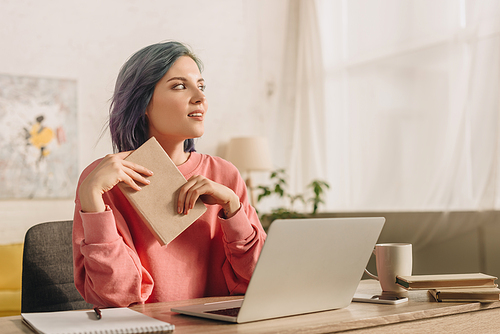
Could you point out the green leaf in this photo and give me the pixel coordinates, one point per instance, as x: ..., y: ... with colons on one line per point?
x: 265, y: 192
x: 278, y: 190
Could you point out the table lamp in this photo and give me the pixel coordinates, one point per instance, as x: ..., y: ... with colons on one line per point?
x: 249, y: 154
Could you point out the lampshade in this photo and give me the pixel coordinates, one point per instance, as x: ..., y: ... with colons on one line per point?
x: 249, y: 154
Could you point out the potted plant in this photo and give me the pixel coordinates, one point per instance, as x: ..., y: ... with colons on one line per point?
x: 315, y: 191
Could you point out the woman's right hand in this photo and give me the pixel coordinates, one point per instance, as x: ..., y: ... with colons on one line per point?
x: 110, y: 171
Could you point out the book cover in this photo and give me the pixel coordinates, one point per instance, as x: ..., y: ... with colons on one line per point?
x: 156, y: 203
x: 446, y: 281
x: 466, y: 294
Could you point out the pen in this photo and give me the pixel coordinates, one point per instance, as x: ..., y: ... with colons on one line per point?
x: 98, y: 314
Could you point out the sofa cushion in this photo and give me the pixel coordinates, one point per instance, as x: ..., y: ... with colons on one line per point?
x: 10, y: 302
x: 11, y: 259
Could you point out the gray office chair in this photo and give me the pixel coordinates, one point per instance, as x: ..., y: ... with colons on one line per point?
x: 47, y: 278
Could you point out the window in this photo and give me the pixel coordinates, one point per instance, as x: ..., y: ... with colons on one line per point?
x: 412, y: 103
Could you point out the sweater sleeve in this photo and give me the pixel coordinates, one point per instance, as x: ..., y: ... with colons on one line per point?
x: 244, y: 238
x: 107, y: 269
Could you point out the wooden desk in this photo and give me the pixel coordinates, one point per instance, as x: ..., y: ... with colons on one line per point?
x: 419, y: 315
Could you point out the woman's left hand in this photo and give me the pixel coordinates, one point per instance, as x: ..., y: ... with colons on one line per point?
x: 210, y: 193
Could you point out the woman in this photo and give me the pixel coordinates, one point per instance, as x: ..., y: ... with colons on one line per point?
x: 117, y: 261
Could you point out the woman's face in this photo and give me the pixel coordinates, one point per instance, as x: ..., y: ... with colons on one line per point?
x: 177, y: 108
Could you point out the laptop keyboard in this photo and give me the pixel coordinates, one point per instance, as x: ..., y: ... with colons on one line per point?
x: 231, y: 312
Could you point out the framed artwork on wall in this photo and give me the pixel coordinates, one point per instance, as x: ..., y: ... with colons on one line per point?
x: 38, y: 138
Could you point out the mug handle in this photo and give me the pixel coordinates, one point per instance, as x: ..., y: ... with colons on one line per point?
x: 369, y: 273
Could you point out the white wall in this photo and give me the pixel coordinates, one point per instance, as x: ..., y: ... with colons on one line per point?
x: 239, y: 41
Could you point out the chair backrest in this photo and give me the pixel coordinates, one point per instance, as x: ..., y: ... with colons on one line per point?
x: 47, y: 278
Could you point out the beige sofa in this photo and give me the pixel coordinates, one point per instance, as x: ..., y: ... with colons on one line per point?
x: 443, y: 242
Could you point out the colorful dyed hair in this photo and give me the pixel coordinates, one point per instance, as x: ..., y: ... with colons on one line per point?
x: 133, y: 90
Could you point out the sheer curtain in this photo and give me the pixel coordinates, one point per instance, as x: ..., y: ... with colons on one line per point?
x: 299, y: 141
x: 411, y: 104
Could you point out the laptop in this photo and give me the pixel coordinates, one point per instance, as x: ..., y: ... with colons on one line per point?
x: 305, y: 266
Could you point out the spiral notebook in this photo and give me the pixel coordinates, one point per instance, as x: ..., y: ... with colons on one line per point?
x: 114, y: 320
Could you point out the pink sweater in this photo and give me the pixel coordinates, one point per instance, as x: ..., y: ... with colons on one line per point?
x: 118, y: 262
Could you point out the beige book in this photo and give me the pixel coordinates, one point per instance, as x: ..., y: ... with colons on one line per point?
x: 466, y: 294
x: 446, y: 281
x: 156, y: 203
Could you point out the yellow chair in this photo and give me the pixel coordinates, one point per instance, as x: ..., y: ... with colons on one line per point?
x: 11, y: 259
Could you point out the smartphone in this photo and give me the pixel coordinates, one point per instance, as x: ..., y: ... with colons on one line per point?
x: 378, y: 299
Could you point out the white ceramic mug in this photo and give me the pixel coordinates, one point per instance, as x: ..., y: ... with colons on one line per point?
x: 392, y: 259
